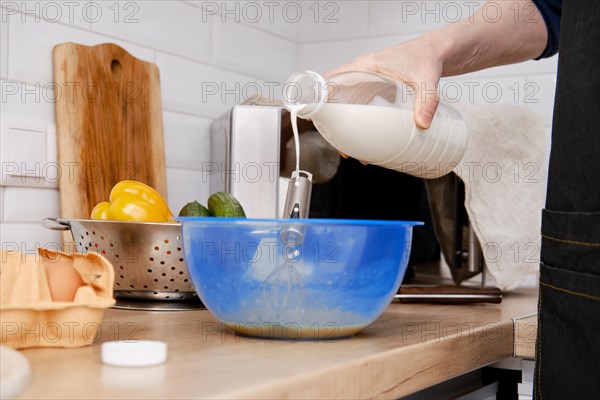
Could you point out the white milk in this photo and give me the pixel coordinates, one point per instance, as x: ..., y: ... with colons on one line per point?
x: 387, y: 136
x: 294, y: 117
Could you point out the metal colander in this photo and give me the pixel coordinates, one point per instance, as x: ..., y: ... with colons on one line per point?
x: 147, y: 256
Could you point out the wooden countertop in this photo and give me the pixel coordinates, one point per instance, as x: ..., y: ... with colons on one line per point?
x: 525, y: 335
x: 410, y: 347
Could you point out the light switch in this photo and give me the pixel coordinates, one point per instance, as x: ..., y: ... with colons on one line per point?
x: 25, y: 152
x: 28, y: 149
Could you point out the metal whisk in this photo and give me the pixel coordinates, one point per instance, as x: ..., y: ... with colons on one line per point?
x: 283, y: 289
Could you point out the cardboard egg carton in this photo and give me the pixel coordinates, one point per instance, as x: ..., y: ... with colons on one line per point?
x: 29, y: 316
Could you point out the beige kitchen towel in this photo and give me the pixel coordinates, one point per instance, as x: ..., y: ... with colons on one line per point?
x: 504, y: 170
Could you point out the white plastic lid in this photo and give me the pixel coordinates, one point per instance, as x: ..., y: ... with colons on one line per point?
x: 141, y: 353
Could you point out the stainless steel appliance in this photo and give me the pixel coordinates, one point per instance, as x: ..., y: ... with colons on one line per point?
x: 244, y: 149
x: 253, y: 157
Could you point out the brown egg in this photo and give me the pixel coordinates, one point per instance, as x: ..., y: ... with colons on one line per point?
x: 63, y: 280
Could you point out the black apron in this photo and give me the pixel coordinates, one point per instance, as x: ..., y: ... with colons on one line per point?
x: 568, y: 342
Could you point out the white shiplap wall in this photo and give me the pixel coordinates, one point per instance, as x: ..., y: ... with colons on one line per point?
x: 223, y: 44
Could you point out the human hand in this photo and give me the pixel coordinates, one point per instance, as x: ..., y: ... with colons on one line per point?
x: 417, y: 63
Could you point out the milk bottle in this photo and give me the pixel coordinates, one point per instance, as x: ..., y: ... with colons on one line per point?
x: 370, y: 117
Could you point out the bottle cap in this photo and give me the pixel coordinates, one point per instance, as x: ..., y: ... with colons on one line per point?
x: 305, y: 92
x: 141, y: 353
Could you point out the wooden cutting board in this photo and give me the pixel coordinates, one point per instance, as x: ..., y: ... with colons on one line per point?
x: 109, y: 124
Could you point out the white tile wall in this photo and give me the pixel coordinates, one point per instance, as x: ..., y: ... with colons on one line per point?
x: 1, y: 205
x: 298, y: 21
x: 169, y: 26
x: 184, y: 186
x: 280, y: 21
x: 27, y: 101
x: 397, y: 17
x: 3, y: 45
x: 186, y: 140
x: 29, y: 204
x: 199, y: 53
x: 27, y: 237
x: 200, y: 89
x: 328, y: 55
x: 80, y: 13
x: 31, y: 42
x: 331, y: 20
x: 240, y: 47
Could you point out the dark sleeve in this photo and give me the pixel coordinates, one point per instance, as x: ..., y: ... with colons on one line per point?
x: 550, y: 10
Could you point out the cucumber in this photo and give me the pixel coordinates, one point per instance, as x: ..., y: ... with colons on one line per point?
x: 194, y: 209
x: 223, y: 204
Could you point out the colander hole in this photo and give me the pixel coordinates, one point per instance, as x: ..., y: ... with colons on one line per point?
x: 181, y: 260
x: 163, y: 274
x: 166, y: 287
x: 178, y: 237
x: 180, y: 272
x: 167, y: 297
x: 156, y: 280
x: 179, y: 248
x: 162, y: 263
x: 103, y: 252
x: 128, y: 291
x: 82, y: 236
x: 145, y: 286
x: 87, y: 234
x: 155, y: 292
x: 155, y: 247
x: 185, y: 280
x: 96, y: 244
x: 111, y: 245
x: 118, y: 284
x: 93, y: 232
x: 177, y: 290
x: 149, y: 271
x: 180, y: 297
x: 151, y: 258
x: 122, y: 277
x: 116, y: 256
x: 121, y: 267
x: 167, y: 241
x: 169, y: 252
x: 172, y: 268
x: 172, y: 280
x: 131, y: 286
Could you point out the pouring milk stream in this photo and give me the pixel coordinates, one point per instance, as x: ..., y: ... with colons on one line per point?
x: 370, y: 117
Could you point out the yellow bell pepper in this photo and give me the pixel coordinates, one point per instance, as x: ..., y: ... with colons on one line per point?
x: 133, y: 201
x: 101, y: 210
x: 142, y: 191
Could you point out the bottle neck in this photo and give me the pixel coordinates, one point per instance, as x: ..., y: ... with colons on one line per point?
x: 304, y: 93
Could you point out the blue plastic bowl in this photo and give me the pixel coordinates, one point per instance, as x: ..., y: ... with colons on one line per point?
x: 337, y: 281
